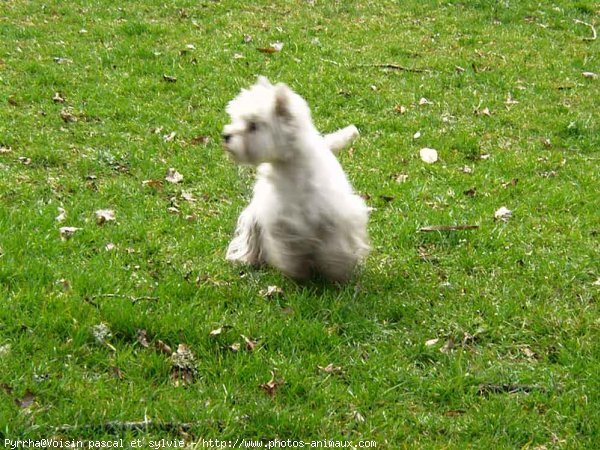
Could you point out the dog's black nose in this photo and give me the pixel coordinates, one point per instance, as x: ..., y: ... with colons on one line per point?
x: 226, y: 137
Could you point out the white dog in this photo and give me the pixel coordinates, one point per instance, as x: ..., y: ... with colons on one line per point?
x: 304, y: 217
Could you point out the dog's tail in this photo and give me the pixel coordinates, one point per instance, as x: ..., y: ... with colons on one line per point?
x: 340, y: 139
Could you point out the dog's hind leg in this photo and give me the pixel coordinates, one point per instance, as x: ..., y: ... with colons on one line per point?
x: 341, y: 139
x: 245, y: 247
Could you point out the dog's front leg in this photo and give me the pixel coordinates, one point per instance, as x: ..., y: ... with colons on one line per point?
x: 245, y: 247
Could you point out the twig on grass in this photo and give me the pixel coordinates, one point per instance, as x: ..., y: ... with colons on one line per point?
x: 396, y: 67
x: 594, y: 34
x: 380, y: 66
x: 432, y: 228
x: 143, y: 425
x: 129, y: 297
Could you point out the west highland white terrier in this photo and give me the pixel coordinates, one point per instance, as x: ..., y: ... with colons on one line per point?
x: 304, y: 217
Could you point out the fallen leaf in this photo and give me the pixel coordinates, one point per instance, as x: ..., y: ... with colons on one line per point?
x: 454, y: 412
x: 101, y: 333
x: 117, y: 373
x: 200, y: 140
x: 466, y: 169
x: 173, y: 176
x: 428, y: 155
x: 512, y: 182
x: 424, y: 101
x: 142, y: 338
x: 590, y: 75
x: 271, y: 386
x: 216, y: 332
x: 417, y: 135
x: 24, y: 160
x: 247, y: 39
x: 58, y: 98
x: 400, y: 109
x: 67, y: 232
x: 432, y: 228
x: 250, y: 344
x: 597, y: 282
x: 331, y: 369
x: 503, y: 214
x: 401, y: 178
x: 188, y: 197
x: 183, y: 366
x: 358, y: 417
x: 510, y: 100
x: 62, y: 215
x: 66, y: 114
x: 169, y: 137
x: 273, y: 48
x: 163, y: 348
x: 26, y: 401
x: 271, y: 291
x: 235, y: 347
x: 152, y: 183
x: 4, y: 149
x: 484, y: 112
x: 105, y: 215
x: 485, y: 156
x: 59, y: 60
x: 110, y: 246
x: 431, y: 342
x: 470, y: 192
x: 449, y: 345
x: 169, y: 78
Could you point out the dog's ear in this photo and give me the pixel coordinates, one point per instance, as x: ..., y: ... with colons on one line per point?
x: 263, y: 81
x: 282, y: 100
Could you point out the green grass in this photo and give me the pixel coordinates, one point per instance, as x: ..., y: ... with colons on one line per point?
x: 517, y: 298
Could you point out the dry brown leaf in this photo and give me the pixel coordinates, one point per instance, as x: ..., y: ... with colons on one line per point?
x: 62, y: 214
x: 67, y: 232
x: 117, y: 373
x: 235, y: 347
x: 271, y: 291
x: 400, y: 109
x: 66, y: 114
x: 188, y: 197
x: 163, y: 348
x: 173, y: 176
x: 448, y: 345
x: 142, y: 338
x: 250, y: 344
x: 216, y: 332
x: 26, y: 401
x: 105, y: 215
x: 510, y: 183
x: 271, y: 386
x: 331, y: 369
x: 200, y: 140
x: 152, y: 183
x: 58, y: 97
x: 4, y: 149
x: 183, y: 366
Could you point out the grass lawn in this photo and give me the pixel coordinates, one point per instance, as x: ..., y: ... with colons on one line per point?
x: 482, y: 338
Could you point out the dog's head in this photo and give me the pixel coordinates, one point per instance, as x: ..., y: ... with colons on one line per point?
x: 263, y: 120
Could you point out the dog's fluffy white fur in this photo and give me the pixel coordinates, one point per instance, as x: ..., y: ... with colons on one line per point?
x: 304, y: 217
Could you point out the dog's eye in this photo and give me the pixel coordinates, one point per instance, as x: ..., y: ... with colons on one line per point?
x: 252, y: 126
